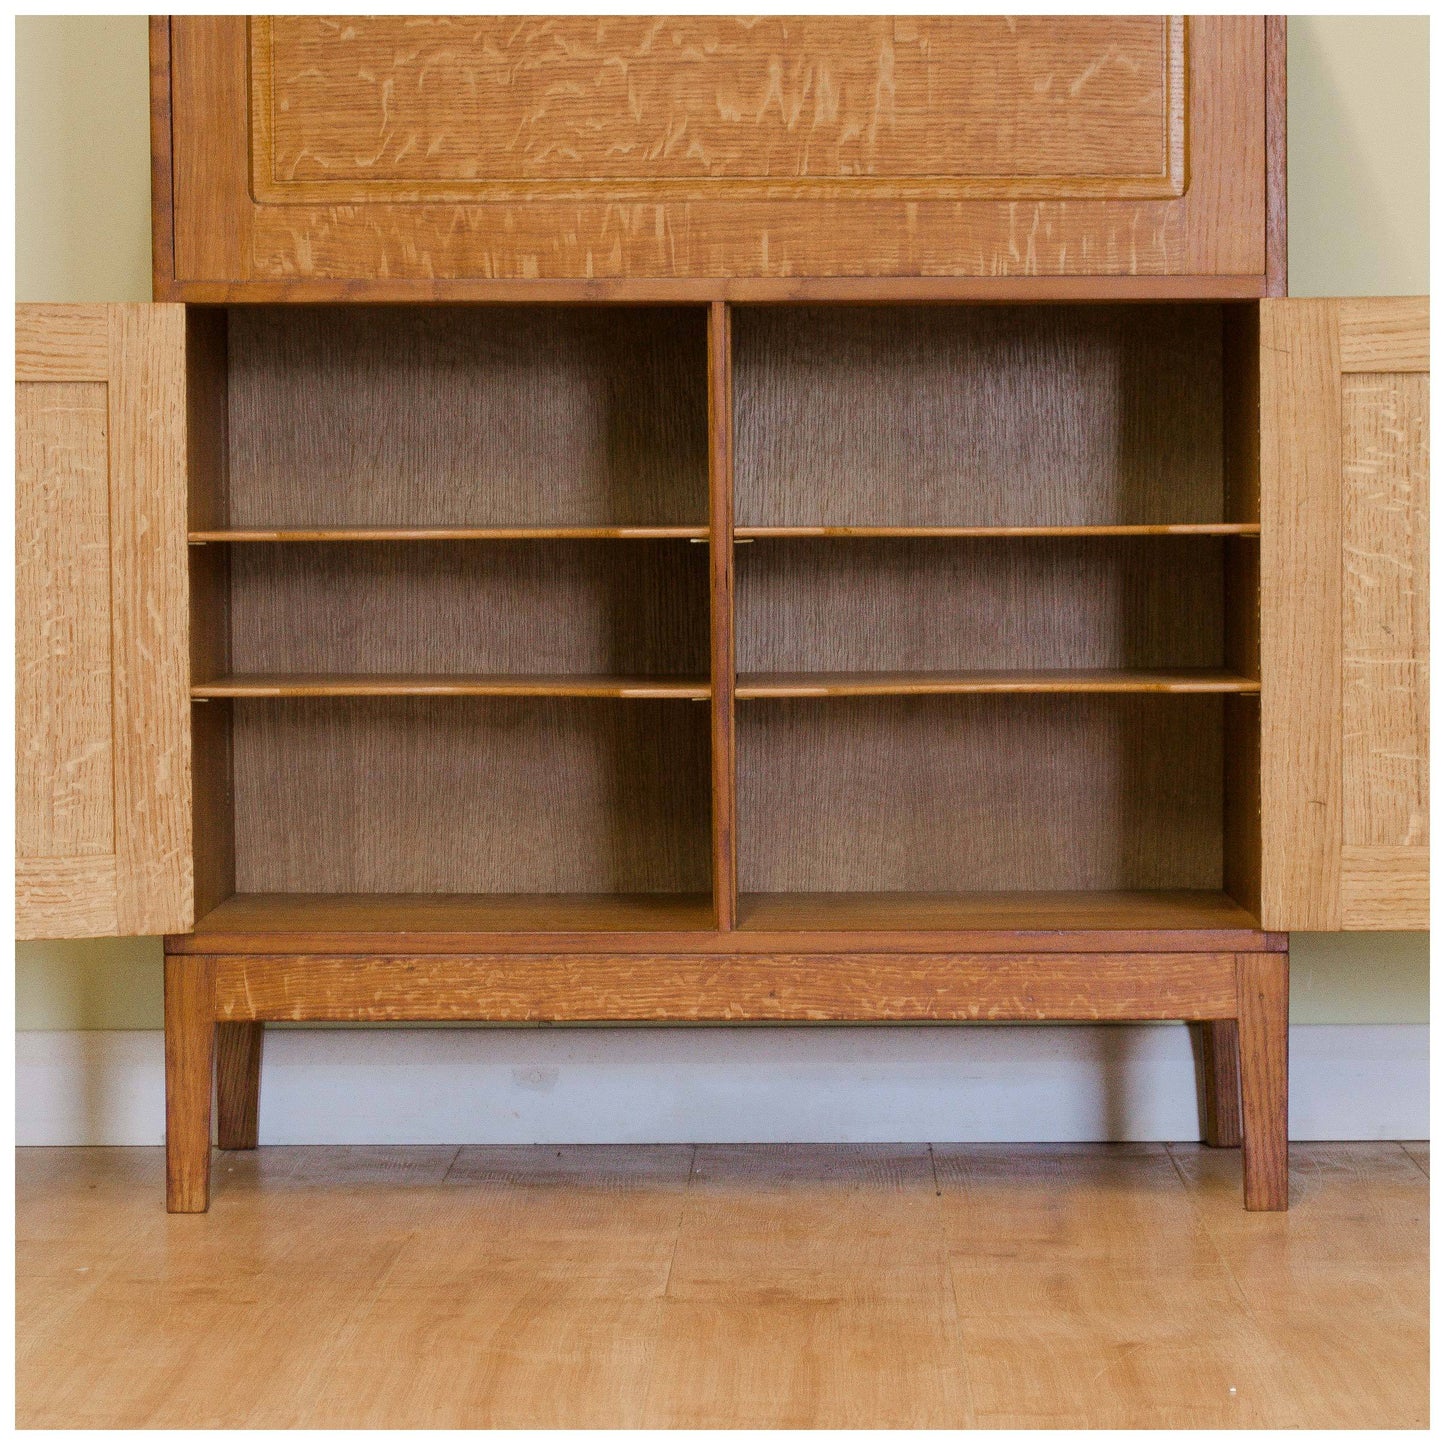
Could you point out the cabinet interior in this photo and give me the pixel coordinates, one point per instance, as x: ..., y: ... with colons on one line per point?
x: 994, y: 606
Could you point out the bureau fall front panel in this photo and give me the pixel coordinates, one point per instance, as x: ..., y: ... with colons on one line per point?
x: 429, y: 149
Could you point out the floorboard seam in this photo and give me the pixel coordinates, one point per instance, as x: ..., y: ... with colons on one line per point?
x: 1412, y: 1158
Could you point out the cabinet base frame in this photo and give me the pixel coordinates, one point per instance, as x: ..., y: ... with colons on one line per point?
x: 1241, y: 999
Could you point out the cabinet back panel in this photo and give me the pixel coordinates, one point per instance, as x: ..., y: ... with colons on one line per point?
x: 959, y: 794
x: 978, y: 415
x: 522, y: 607
x: 441, y: 795
x: 486, y: 416
x: 854, y: 604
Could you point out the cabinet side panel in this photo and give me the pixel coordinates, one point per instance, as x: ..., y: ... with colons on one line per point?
x: 210, y: 587
x: 1242, y: 841
x: 150, y: 621
x: 1300, y: 640
x: 163, y: 259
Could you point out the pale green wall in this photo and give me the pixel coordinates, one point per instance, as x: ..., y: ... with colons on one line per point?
x: 82, y: 158
x: 1359, y: 158
x: 1358, y: 200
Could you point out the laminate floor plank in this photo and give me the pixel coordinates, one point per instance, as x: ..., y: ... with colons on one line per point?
x: 868, y: 1286
x: 533, y: 1302
x: 1091, y: 1294
x: 795, y: 1363
x: 1338, y: 1284
x: 767, y: 1223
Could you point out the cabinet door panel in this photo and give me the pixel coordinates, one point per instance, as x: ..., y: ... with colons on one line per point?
x: 1344, y: 395
x: 102, y: 822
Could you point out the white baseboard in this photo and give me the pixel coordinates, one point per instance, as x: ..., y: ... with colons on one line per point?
x: 606, y: 1085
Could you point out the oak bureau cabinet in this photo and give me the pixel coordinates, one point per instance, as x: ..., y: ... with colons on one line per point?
x: 512, y: 576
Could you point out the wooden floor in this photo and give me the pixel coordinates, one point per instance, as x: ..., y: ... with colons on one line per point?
x: 989, y: 1285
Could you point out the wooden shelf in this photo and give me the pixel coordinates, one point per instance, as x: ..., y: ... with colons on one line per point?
x: 1182, y: 529
x: 455, y: 913
x: 446, y: 534
x: 271, y: 685
x: 337, y: 921
x: 698, y: 533
x: 949, y: 912
x: 917, y: 684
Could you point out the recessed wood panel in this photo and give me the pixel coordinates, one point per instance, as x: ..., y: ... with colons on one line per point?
x: 381, y: 108
x: 635, y: 608
x: 978, y: 415
x: 457, y: 416
x: 1385, y: 427
x: 432, y: 795
x: 64, y: 779
x: 858, y: 605
x: 1010, y: 793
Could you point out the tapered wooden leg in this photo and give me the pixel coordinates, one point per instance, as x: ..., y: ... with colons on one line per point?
x: 238, y: 1084
x: 1264, y: 1077
x: 1219, y: 1073
x: 190, y: 1049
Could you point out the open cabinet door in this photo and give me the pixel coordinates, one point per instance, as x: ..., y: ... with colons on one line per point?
x: 1344, y: 475
x: 102, y: 711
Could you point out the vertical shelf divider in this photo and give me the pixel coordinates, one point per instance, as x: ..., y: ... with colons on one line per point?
x: 720, y: 575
